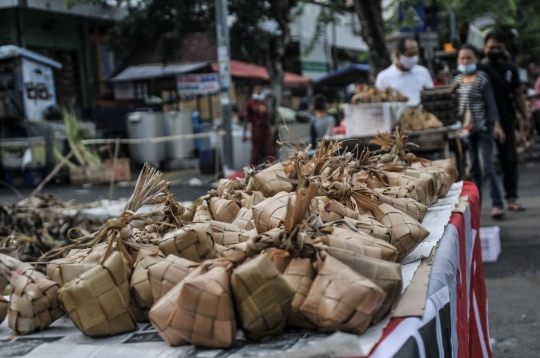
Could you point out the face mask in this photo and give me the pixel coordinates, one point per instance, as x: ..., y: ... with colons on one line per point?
x: 408, y: 62
x: 470, y: 68
x: 495, y: 55
x: 258, y: 97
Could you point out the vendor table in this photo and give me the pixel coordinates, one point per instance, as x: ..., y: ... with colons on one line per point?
x: 438, y: 141
x: 442, y: 313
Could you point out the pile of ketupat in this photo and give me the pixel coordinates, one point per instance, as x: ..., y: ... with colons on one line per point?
x: 311, y: 242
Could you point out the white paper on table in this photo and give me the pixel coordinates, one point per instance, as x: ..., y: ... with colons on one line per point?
x: 437, y: 216
x: 452, y: 197
x: 407, y: 273
x: 424, y: 249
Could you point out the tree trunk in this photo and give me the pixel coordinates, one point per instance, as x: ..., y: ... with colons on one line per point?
x: 274, y: 66
x: 370, y: 15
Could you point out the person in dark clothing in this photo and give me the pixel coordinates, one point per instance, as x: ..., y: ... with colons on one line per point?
x: 504, y: 78
x: 321, y: 121
x: 256, y: 112
x: 478, y: 109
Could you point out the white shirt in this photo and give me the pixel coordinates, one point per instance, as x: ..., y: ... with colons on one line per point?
x: 409, y: 83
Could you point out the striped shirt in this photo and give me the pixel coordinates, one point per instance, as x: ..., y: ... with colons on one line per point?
x: 477, y: 97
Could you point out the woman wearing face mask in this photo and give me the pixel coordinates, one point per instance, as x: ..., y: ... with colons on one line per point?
x: 480, y: 116
x: 257, y: 113
x: 405, y: 74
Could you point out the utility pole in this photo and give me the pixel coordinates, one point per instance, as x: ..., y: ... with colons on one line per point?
x: 224, y: 61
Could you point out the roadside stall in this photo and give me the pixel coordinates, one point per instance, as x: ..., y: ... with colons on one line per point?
x: 323, y: 255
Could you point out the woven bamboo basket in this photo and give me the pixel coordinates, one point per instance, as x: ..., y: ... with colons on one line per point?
x: 341, y: 299
x: 299, y: 274
x: 99, y: 301
x: 204, y: 314
x: 268, y: 183
x: 386, y: 275
x: 140, y: 284
x: 164, y: 275
x: 223, y: 210
x: 193, y: 242
x: 262, y: 297
x: 389, y: 252
x: 251, y: 198
x: 244, y: 219
x: 33, y: 302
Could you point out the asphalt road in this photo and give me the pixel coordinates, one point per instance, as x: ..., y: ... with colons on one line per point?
x: 513, y: 282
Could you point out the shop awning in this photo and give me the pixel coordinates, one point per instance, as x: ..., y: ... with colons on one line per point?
x: 241, y: 69
x: 150, y: 71
x: 344, y: 76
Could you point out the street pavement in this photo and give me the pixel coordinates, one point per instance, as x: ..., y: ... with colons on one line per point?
x: 513, y: 282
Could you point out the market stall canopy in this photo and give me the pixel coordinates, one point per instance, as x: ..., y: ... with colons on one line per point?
x: 344, y: 76
x: 247, y: 70
x: 158, y: 70
x: 12, y: 51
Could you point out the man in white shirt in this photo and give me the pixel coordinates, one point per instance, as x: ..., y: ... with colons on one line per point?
x: 405, y: 75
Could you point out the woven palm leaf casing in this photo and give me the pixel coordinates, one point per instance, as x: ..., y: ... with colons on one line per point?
x: 262, y: 297
x: 341, y: 299
x: 205, y: 313
x: 99, y: 301
x: 386, y: 275
x: 268, y: 183
x: 299, y: 274
x: 194, y: 242
x: 164, y: 275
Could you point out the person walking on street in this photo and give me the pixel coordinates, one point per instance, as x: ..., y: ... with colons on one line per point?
x: 405, y: 74
x: 321, y: 121
x: 480, y: 116
x: 257, y: 113
x: 504, y: 78
x: 535, y: 100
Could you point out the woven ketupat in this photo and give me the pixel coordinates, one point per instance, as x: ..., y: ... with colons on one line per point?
x: 99, y: 301
x: 244, y: 219
x: 388, y: 251
x: 406, y: 233
x: 413, y: 208
x: 341, y: 299
x: 386, y: 275
x: 4, y: 304
x: 53, y: 267
x: 193, y: 242
x: 268, y: 183
x: 82, y: 256
x: 272, y: 212
x: 202, y: 213
x: 205, y: 313
x: 406, y: 191
x: 340, y: 209
x: 223, y: 210
x: 262, y: 297
x: 227, y: 234
x: 353, y: 245
x: 164, y: 308
x: 33, y: 300
x: 320, y: 203
x: 166, y: 274
x: 367, y: 226
x: 251, y: 198
x: 140, y: 284
x: 279, y: 257
x: 421, y: 186
x: 69, y: 272
x: 432, y: 178
x: 299, y: 274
